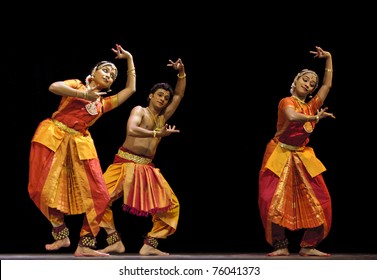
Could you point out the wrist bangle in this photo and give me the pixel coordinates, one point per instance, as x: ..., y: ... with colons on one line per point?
x: 328, y: 70
x: 86, y: 94
x: 316, y: 119
x: 181, y: 77
x: 154, y: 133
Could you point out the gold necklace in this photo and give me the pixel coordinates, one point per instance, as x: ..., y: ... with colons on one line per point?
x: 300, y: 103
x: 298, y: 99
x: 154, y: 119
x: 308, y: 127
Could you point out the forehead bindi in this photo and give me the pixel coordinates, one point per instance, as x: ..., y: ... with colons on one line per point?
x: 310, y: 77
x: 107, y: 67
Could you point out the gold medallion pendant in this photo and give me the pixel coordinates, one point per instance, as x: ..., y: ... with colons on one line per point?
x: 92, y: 108
x: 308, y: 127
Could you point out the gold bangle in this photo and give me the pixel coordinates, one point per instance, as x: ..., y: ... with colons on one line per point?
x: 76, y: 93
x: 328, y: 70
x: 316, y: 119
x: 86, y: 94
x: 129, y: 71
x: 154, y: 133
x: 181, y: 77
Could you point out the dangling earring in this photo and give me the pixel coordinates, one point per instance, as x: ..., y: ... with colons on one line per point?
x: 88, y: 79
x: 292, y: 87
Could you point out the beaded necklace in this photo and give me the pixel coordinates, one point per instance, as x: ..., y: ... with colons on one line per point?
x: 154, y: 119
x: 308, y: 126
x: 298, y: 99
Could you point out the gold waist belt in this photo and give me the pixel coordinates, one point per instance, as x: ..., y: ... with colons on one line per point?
x: 64, y: 127
x: 290, y: 147
x: 134, y: 158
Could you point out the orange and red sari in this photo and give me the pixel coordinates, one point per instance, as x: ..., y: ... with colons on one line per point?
x: 292, y: 191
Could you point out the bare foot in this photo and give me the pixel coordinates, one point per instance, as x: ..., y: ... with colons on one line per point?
x: 87, y: 252
x: 279, y: 252
x: 147, y: 250
x: 117, y: 247
x: 305, y: 252
x: 58, y: 244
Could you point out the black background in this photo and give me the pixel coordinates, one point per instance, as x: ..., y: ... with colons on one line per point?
x: 240, y: 62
